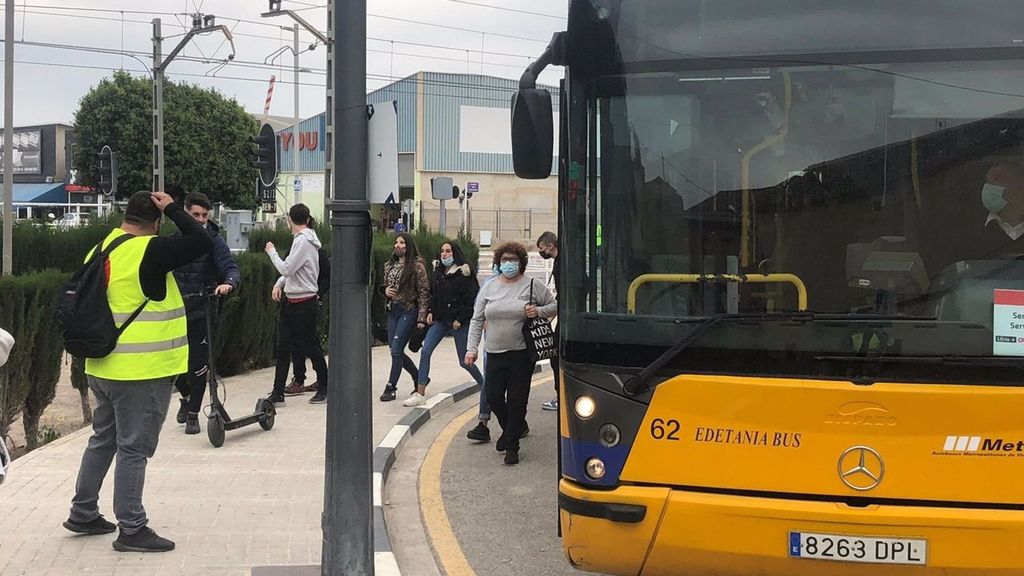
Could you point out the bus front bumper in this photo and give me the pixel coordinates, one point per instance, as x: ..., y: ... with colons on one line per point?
x: 654, y: 531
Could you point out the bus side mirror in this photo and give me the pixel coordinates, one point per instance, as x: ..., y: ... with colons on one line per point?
x: 533, y: 133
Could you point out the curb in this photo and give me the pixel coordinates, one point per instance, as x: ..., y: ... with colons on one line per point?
x: 385, y: 454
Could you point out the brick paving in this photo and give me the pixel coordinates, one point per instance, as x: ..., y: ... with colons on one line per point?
x: 256, y: 501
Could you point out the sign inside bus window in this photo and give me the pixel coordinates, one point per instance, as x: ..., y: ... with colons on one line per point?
x: 1008, y: 323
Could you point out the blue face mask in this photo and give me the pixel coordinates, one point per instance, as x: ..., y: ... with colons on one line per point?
x: 510, y: 269
x: 447, y: 261
x: 992, y: 197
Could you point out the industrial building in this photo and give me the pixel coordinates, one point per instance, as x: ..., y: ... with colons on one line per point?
x: 449, y: 125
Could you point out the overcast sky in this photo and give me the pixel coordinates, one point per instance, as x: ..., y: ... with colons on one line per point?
x: 50, y: 81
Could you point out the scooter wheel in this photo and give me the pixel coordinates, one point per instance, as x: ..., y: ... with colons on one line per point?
x: 215, y: 430
x: 267, y: 408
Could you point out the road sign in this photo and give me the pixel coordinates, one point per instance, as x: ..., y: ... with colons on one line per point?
x: 382, y: 151
x: 297, y: 184
x: 472, y: 188
x: 441, y: 188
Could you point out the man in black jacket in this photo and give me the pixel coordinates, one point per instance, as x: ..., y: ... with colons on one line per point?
x: 547, y: 245
x: 214, y: 273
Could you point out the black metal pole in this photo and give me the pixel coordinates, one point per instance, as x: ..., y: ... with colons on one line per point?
x: 348, y: 499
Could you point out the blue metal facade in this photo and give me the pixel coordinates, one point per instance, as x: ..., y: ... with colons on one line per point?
x: 443, y: 97
x: 404, y: 92
x: 309, y: 160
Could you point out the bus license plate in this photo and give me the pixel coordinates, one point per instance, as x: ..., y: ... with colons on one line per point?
x: 843, y: 548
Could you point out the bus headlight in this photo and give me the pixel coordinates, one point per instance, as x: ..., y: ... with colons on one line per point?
x: 585, y: 407
x: 609, y: 435
x: 595, y: 468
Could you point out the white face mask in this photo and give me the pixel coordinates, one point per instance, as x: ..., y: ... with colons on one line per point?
x: 992, y: 197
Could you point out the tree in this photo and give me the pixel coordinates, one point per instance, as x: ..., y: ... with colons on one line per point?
x: 205, y: 139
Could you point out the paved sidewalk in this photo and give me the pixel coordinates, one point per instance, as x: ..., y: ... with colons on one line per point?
x: 256, y: 501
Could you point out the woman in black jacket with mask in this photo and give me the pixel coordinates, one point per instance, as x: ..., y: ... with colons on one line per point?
x: 453, y: 293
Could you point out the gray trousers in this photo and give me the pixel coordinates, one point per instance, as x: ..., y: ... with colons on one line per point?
x: 126, y: 423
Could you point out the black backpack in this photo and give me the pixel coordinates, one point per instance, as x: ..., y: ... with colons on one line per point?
x: 323, y: 278
x: 83, y: 312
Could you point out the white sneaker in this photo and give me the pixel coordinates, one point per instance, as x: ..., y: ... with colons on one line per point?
x: 416, y: 399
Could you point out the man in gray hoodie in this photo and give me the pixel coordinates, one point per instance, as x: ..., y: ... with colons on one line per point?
x: 296, y: 291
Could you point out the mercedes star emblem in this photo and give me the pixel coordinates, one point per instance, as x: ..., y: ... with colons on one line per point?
x: 861, y: 468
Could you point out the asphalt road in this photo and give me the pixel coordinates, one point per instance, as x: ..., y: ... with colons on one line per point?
x: 505, y: 517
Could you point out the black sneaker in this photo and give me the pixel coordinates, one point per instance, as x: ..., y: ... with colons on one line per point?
x: 479, y: 434
x: 512, y: 457
x: 182, y: 411
x: 97, y: 526
x: 144, y: 540
x: 192, y: 423
x: 501, y: 445
x: 320, y: 397
x: 389, y: 394
x: 276, y: 399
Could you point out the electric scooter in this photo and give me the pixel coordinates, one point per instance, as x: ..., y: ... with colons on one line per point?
x: 219, y: 421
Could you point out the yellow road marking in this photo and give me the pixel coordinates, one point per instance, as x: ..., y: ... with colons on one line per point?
x: 435, y: 517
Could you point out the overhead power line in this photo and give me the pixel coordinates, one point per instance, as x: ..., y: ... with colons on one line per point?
x: 275, y: 38
x: 516, y: 10
x: 268, y: 24
x: 425, y: 82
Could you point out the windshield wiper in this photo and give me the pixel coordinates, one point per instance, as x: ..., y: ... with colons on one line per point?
x: 638, y: 384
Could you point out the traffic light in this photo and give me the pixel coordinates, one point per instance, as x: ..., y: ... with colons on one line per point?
x: 264, y: 154
x: 108, y: 171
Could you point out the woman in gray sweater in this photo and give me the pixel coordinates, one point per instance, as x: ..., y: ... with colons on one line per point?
x: 504, y: 305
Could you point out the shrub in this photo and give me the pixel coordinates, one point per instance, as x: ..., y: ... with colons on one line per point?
x: 28, y: 381
x: 41, y: 247
x: 427, y: 241
x: 246, y: 327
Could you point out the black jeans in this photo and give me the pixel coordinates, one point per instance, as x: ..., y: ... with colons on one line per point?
x: 508, y: 377
x: 299, y: 360
x: 298, y: 366
x: 193, y: 384
x: 296, y: 329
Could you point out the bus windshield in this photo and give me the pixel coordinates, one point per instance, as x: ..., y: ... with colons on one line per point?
x: 885, y: 197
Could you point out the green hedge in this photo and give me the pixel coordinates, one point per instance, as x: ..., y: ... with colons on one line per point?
x: 246, y: 327
x: 38, y: 247
x: 245, y: 334
x: 28, y: 381
x: 427, y: 241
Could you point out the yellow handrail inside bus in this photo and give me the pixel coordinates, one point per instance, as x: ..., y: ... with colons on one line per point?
x: 791, y: 279
x: 747, y: 237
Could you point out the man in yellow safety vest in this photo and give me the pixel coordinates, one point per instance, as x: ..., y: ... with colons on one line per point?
x: 132, y: 385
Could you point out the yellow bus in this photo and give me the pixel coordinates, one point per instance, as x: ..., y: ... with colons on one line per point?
x: 792, y: 301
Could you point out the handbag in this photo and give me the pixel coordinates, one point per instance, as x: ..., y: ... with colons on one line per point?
x: 417, y: 338
x: 539, y: 336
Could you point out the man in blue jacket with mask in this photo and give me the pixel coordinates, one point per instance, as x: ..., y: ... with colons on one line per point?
x: 215, y: 273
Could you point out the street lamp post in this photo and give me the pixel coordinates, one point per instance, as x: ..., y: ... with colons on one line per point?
x: 328, y: 41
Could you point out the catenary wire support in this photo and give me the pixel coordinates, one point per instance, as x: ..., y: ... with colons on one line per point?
x: 201, y: 24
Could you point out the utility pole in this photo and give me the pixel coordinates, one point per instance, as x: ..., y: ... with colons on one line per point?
x: 158, y: 108
x: 328, y: 41
x: 201, y: 24
x: 8, y: 256
x: 295, y: 126
x: 348, y: 520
